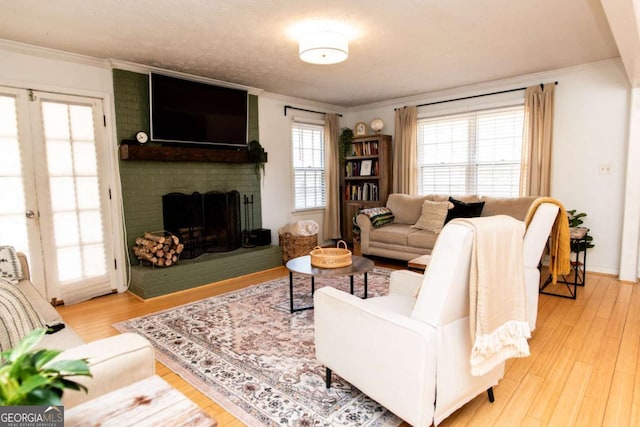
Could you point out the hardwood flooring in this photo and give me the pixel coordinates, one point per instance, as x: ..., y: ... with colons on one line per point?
x: 584, y: 368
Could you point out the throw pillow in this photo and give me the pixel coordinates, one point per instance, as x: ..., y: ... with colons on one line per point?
x: 17, y: 316
x: 463, y: 209
x: 10, y: 268
x: 433, y: 216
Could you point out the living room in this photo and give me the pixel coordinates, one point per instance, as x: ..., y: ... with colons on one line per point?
x: 594, y: 125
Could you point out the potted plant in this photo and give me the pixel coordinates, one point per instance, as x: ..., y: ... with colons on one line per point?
x: 32, y: 377
x: 258, y: 156
x: 346, y: 135
x: 576, y: 220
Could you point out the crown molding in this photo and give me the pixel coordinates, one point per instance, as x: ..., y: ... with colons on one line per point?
x: 146, y: 69
x: 490, y: 86
x: 48, y: 53
x: 307, y: 103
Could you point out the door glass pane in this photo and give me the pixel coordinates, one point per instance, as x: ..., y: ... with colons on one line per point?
x: 69, y: 263
x: 88, y: 193
x: 13, y: 225
x: 59, y: 159
x: 84, y: 158
x: 63, y: 193
x: 74, y: 189
x: 66, y: 229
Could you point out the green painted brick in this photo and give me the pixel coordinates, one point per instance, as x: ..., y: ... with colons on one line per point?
x: 148, y: 282
x: 144, y: 182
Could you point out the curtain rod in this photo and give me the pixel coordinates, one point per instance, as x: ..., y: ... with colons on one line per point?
x: 289, y: 107
x: 476, y: 96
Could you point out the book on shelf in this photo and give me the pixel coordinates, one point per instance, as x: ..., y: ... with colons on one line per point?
x: 368, y: 191
x: 364, y: 148
x: 365, y: 168
x: 362, y: 168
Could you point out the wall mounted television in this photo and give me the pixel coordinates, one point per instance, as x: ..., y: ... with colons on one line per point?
x: 189, y: 112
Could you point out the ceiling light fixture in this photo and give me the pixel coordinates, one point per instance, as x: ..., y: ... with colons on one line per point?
x: 323, y: 47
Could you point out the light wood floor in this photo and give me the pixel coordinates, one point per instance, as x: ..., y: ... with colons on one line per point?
x: 584, y: 368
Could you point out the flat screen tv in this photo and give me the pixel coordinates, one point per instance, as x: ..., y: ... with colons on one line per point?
x: 189, y: 112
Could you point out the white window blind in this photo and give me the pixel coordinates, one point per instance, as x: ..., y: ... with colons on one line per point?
x: 308, y: 165
x: 476, y: 152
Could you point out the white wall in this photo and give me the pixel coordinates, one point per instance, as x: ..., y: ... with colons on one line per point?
x: 590, y: 129
x: 275, y: 137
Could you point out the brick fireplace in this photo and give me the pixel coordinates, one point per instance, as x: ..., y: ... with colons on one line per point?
x: 208, y: 222
x: 144, y: 182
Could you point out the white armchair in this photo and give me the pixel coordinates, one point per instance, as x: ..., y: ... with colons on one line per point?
x: 402, y: 350
x: 399, y: 349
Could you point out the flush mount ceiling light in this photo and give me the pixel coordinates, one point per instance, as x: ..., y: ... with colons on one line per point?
x: 323, y: 47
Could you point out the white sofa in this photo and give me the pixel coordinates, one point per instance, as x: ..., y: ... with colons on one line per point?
x: 114, y: 362
x: 398, y: 240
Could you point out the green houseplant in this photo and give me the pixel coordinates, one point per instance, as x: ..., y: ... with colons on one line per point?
x: 258, y: 156
x: 576, y: 220
x: 32, y: 377
x: 346, y: 135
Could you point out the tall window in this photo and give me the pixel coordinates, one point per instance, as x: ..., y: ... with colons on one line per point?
x: 308, y: 165
x: 476, y: 152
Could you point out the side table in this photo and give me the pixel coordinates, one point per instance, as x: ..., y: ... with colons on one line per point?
x: 578, y: 241
x: 302, y: 265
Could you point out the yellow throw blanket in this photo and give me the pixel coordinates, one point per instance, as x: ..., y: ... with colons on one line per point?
x: 498, y: 317
x: 559, y: 245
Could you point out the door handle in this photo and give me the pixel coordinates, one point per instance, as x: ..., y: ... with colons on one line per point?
x: 30, y: 214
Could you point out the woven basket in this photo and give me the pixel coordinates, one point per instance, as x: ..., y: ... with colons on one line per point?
x: 331, y: 257
x: 296, y: 246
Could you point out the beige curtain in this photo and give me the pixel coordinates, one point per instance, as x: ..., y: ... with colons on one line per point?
x: 331, y: 219
x: 405, y: 151
x: 535, y: 172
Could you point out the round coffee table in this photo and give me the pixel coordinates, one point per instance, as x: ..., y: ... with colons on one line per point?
x: 302, y: 265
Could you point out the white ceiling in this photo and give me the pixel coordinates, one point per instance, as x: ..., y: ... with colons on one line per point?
x: 400, y: 48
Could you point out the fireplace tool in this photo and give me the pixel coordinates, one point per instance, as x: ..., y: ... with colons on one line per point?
x: 248, y: 223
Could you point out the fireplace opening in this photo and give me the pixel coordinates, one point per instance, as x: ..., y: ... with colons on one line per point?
x: 208, y: 222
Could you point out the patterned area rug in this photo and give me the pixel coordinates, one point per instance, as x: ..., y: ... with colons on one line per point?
x: 248, y: 353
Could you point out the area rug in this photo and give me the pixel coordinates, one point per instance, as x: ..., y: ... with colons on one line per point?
x: 248, y: 353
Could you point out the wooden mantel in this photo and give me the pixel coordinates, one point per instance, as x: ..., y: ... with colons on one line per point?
x: 183, y: 154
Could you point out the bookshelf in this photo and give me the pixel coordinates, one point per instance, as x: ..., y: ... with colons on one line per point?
x: 366, y: 177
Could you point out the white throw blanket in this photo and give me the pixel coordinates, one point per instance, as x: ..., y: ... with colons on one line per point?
x: 497, y: 295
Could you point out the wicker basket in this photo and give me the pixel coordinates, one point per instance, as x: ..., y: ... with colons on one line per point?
x: 331, y: 257
x: 296, y: 246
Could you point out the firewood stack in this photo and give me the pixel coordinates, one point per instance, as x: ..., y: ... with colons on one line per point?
x: 159, y: 250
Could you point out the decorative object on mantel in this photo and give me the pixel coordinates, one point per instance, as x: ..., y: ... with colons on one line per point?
x: 31, y: 376
x: 158, y: 248
x: 258, y: 156
x: 142, y: 137
x: 377, y: 125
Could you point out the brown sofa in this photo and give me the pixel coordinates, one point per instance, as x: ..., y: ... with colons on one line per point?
x: 398, y: 240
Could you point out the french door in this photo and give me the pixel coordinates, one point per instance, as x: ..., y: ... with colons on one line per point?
x: 54, y: 202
